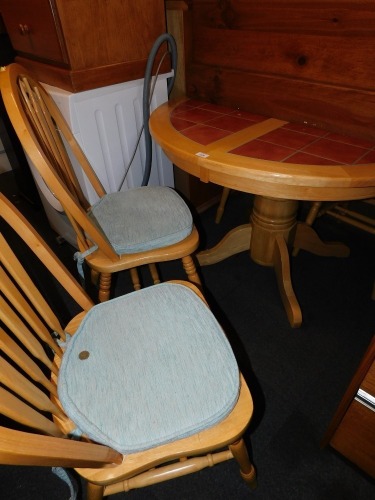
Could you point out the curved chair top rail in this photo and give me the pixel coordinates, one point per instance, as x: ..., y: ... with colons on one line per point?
x: 40, y: 128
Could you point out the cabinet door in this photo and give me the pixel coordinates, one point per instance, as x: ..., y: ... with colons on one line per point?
x: 34, y: 29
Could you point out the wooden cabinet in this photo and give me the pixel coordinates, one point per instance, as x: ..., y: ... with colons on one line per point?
x: 352, y: 431
x: 79, y: 45
x: 34, y: 29
x: 299, y: 60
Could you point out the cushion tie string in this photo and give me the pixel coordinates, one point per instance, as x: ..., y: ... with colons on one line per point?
x: 66, y: 476
x: 80, y: 258
x: 64, y: 343
x: 75, y: 434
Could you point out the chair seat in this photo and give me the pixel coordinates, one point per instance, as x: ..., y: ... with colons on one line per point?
x: 136, y: 373
x: 143, y: 219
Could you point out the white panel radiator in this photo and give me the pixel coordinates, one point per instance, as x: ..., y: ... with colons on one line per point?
x: 106, y: 123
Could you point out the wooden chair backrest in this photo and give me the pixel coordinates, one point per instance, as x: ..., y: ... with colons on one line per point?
x: 30, y: 353
x: 43, y: 133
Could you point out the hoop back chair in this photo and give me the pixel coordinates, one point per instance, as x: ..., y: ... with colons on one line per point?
x: 146, y: 383
x: 121, y: 231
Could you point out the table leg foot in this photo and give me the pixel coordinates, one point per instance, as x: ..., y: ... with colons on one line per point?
x: 236, y: 241
x: 282, y: 269
x: 307, y: 239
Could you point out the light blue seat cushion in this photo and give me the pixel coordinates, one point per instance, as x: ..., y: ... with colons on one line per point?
x: 159, y: 368
x: 142, y: 219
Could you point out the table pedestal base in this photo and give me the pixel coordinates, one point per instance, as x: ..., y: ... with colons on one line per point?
x: 272, y: 232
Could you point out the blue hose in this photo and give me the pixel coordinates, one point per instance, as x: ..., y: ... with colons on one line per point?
x: 166, y: 37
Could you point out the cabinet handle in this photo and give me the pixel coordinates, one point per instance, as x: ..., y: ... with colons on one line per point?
x: 24, y: 29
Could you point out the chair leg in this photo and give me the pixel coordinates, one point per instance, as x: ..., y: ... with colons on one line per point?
x: 94, y: 491
x: 313, y: 212
x: 154, y: 273
x: 311, y: 216
x: 191, y: 270
x: 94, y: 277
x: 247, y: 469
x: 104, y: 286
x: 220, y: 208
x: 135, y: 278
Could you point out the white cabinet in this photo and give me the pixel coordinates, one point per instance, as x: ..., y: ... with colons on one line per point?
x: 106, y: 122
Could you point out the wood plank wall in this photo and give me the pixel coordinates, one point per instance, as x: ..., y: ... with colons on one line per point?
x: 298, y: 60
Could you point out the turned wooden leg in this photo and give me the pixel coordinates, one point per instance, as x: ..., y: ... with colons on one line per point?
x: 191, y: 270
x: 247, y: 469
x: 154, y: 273
x: 220, y: 208
x: 135, y: 278
x: 104, y: 286
x: 94, y: 491
x: 271, y: 217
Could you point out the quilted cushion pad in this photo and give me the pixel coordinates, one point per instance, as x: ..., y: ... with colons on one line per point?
x: 148, y: 368
x: 143, y: 218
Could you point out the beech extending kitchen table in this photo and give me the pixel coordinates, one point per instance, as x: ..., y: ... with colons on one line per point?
x: 277, y: 161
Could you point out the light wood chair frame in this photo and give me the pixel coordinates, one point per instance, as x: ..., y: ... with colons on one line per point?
x: 38, y: 124
x: 105, y: 470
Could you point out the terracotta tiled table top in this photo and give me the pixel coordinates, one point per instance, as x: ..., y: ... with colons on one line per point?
x: 295, y: 143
